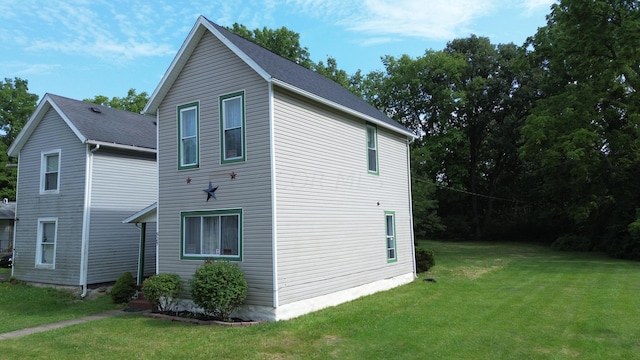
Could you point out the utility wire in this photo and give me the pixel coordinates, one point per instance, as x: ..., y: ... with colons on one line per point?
x: 445, y: 187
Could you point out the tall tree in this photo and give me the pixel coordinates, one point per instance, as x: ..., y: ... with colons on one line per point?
x: 462, y: 101
x: 282, y: 41
x: 286, y: 43
x: 584, y: 134
x: 131, y: 102
x: 16, y: 106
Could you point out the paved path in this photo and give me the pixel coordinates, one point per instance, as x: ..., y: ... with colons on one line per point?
x: 46, y: 327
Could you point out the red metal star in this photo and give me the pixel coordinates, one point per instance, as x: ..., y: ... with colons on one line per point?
x: 188, y: 180
x: 233, y: 175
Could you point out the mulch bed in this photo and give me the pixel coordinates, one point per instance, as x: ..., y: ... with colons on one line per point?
x: 200, y: 319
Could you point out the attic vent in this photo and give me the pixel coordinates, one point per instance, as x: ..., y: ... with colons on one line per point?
x: 96, y: 110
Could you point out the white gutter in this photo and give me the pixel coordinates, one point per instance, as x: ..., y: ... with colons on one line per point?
x: 274, y: 226
x: 119, y: 146
x: 413, y: 239
x: 86, y: 222
x: 15, y: 222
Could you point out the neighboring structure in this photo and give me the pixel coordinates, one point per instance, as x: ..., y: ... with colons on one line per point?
x: 7, y: 216
x: 267, y: 164
x: 82, y: 169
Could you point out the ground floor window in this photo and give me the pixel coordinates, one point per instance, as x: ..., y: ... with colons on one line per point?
x: 390, y: 225
x: 212, y: 234
x: 46, y: 245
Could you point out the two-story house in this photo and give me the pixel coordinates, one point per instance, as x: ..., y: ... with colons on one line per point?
x: 82, y: 168
x: 267, y: 164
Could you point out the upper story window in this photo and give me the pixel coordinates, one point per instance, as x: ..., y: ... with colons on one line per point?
x: 46, y: 248
x: 232, y: 124
x: 372, y: 149
x: 188, y: 126
x: 50, y: 172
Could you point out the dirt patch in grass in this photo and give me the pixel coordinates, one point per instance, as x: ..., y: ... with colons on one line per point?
x: 475, y: 272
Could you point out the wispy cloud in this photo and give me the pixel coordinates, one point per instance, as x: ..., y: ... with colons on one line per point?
x: 534, y: 5
x: 433, y: 20
x: 95, y: 29
x: 37, y: 69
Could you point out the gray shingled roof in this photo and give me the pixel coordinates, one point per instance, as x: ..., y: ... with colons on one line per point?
x: 104, y: 124
x: 302, y: 78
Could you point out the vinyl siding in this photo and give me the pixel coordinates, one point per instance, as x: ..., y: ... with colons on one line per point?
x: 330, y: 210
x: 211, y: 71
x: 52, y: 133
x: 122, y: 184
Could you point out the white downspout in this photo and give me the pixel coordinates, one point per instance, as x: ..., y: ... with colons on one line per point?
x: 274, y: 222
x: 413, y: 239
x: 15, y: 222
x: 84, y: 255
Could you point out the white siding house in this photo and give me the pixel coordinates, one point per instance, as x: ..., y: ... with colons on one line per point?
x: 267, y: 164
x: 82, y: 169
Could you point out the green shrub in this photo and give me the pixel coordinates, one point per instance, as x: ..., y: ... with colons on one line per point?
x: 163, y: 291
x: 424, y: 260
x: 573, y: 243
x: 218, y: 288
x: 124, y: 288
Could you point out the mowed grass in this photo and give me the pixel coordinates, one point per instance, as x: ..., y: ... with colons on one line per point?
x: 490, y: 301
x: 23, y: 306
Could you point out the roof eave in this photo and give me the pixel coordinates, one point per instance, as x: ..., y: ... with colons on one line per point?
x: 45, y: 104
x: 137, y: 217
x: 121, y: 146
x: 342, y: 108
x: 178, y: 63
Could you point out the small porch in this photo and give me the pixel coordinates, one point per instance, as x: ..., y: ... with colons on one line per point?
x: 146, y: 221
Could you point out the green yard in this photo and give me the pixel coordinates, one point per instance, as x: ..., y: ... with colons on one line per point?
x: 491, y: 301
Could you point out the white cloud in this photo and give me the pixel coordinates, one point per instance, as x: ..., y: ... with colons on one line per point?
x: 432, y: 20
x: 110, y: 31
x: 534, y: 5
x: 37, y: 69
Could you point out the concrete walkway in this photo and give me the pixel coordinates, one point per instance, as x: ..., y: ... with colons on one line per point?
x: 46, y: 327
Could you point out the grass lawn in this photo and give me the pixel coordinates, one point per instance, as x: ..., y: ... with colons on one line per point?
x: 491, y: 301
x: 24, y: 306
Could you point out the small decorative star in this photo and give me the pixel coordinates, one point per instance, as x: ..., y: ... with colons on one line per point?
x: 233, y: 175
x: 211, y: 192
x: 188, y: 180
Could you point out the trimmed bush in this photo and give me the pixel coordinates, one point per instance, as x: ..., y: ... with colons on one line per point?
x: 424, y: 260
x: 163, y: 291
x: 573, y: 243
x: 219, y: 288
x: 124, y: 288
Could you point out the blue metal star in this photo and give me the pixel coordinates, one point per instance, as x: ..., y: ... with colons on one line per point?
x: 211, y: 192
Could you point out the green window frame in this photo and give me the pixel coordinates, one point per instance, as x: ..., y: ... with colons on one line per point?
x: 47, y: 240
x: 188, y: 135
x: 391, y: 241
x: 232, y: 128
x: 372, y: 149
x: 211, y: 234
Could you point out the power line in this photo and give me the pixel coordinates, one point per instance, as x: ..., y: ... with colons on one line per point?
x: 445, y: 187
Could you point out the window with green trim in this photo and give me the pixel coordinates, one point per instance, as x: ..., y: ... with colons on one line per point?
x: 372, y: 149
x: 188, y: 126
x: 232, y: 124
x: 212, y: 234
x: 390, y: 226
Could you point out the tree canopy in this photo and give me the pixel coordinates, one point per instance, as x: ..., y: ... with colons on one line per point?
x: 539, y: 141
x: 16, y: 106
x: 131, y: 102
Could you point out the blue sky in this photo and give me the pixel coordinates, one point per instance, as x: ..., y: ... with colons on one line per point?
x: 83, y: 48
